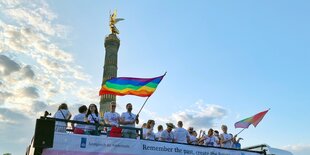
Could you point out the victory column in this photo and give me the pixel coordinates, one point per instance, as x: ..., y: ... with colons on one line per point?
x: 111, y: 44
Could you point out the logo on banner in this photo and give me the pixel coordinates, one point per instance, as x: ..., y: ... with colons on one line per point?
x: 83, y: 142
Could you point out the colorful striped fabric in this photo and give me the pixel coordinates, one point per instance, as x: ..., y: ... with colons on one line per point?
x: 245, y: 123
x: 121, y: 86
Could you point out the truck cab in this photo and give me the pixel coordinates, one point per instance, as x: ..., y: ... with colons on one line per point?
x: 269, y: 150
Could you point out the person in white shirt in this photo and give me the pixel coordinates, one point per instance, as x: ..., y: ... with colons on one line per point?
x: 167, y: 135
x: 92, y: 116
x: 181, y: 135
x: 209, y: 139
x: 76, y: 127
x: 112, y: 118
x: 150, y: 135
x: 159, y: 131
x: 144, y: 130
x: 226, y: 139
x: 128, y: 119
x: 193, y: 136
x: 62, y: 113
x: 217, y: 138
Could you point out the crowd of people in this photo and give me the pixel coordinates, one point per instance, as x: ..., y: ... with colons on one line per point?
x: 172, y: 133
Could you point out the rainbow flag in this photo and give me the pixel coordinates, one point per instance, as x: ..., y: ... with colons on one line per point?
x: 245, y: 123
x: 121, y: 86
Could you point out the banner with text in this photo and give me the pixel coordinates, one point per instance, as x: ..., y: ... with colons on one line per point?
x: 68, y: 144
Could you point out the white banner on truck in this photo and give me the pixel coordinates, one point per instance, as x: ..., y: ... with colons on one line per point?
x: 67, y: 144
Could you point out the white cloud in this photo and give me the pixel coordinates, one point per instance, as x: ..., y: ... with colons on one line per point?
x: 11, y: 117
x: 13, y: 39
x: 27, y: 72
x: 32, y: 18
x: 52, y: 65
x: 37, y: 72
x: 4, y: 96
x: 10, y: 3
x: 88, y: 94
x: 46, y: 12
x: 8, y: 66
x: 52, y: 51
x: 30, y: 92
x: 38, y: 106
x: 201, y: 116
x: 31, y: 32
x: 79, y: 75
x: 298, y: 149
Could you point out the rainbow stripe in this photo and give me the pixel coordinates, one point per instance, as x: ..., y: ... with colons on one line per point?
x: 121, y: 86
x: 245, y: 123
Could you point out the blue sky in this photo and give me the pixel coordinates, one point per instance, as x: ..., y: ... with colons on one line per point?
x: 225, y: 61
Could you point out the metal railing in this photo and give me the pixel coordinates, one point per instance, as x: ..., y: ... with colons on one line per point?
x: 101, y: 129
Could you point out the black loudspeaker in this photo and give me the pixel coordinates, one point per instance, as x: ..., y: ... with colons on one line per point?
x: 44, y: 133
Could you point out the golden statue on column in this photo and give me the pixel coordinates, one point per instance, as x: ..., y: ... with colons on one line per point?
x: 113, y: 21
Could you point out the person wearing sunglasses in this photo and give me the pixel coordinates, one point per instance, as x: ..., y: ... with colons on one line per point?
x: 112, y: 118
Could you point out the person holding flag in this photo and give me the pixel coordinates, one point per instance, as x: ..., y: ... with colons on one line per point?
x: 129, y: 119
x: 226, y: 139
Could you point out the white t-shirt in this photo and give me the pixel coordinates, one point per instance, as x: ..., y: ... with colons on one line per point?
x: 112, y: 117
x: 59, y: 125
x: 217, y: 141
x: 144, y: 132
x: 79, y: 117
x: 229, y: 143
x: 92, y: 118
x: 180, y: 135
x: 166, y: 136
x: 209, y: 141
x: 192, y: 139
x: 150, y: 135
x: 157, y: 135
x: 126, y: 116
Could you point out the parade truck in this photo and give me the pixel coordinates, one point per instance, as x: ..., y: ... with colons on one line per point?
x: 269, y: 150
x: 48, y: 142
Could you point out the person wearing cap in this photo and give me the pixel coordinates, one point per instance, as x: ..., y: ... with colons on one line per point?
x: 128, y: 119
x: 181, y: 135
x: 167, y: 135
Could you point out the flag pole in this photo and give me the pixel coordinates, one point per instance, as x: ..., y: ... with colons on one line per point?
x: 143, y: 105
x: 147, y: 99
x: 240, y: 132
